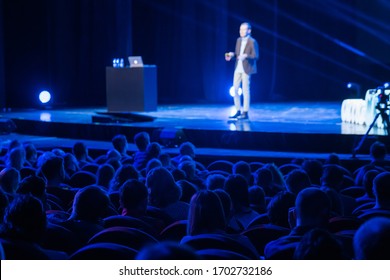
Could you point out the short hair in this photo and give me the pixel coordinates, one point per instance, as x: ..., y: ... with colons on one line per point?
x: 53, y: 167
x: 312, y: 204
x: 119, y: 142
x: 297, y: 180
x: 142, y: 140
x: 279, y: 206
x: 381, y: 186
x: 187, y: 148
x: 378, y: 150
x: 33, y: 185
x: 243, y: 168
x: 215, y: 181
x: 237, y: 187
x: 132, y: 193
x: 247, y: 24
x: 79, y: 150
x: 371, y: 241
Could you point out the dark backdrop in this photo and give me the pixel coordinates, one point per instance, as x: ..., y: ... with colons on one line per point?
x: 309, y: 50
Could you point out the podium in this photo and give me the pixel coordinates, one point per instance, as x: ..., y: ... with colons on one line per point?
x: 131, y: 89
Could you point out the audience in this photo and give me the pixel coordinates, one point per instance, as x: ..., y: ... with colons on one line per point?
x: 159, y: 191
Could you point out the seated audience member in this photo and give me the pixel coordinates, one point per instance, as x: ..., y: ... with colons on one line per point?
x: 206, y: 216
x: 178, y: 174
x: 119, y: 142
x: 80, y: 151
x: 257, y: 199
x: 9, y: 181
x: 167, y: 251
x: 381, y: 192
x: 153, y: 150
x: 332, y: 179
x: 124, y: 173
x: 278, y: 208
x: 297, y: 180
x: 133, y: 200
x: 263, y: 178
x: 333, y: 159
x: 368, y: 183
x: 71, y: 164
x: 153, y: 163
x: 165, y: 160
x: 104, y: 175
x: 215, y: 181
x: 31, y: 154
x: 189, y: 168
x: 165, y: 194
x: 16, y: 158
x: 4, y: 201
x: 140, y: 157
x: 91, y: 204
x: 243, y: 168
x: 312, y: 208
x: 319, y: 244
x: 378, y: 153
x: 23, y: 229
x: 237, y: 187
x: 54, y: 172
x: 371, y: 241
x: 36, y: 186
x: 313, y: 168
x: 185, y: 149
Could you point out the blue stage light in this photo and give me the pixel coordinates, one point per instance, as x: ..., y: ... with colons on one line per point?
x: 44, y: 97
x: 231, y: 91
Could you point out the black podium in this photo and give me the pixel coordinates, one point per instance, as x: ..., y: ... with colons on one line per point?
x: 131, y: 89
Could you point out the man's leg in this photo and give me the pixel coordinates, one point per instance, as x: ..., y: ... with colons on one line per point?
x: 246, y: 83
x: 236, y: 84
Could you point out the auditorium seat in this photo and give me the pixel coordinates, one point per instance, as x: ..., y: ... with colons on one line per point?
x: 104, y: 251
x: 262, y: 234
x: 129, y: 237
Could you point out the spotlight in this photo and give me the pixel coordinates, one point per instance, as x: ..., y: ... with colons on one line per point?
x: 44, y: 97
x: 231, y: 91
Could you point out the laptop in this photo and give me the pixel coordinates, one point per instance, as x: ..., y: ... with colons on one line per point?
x: 135, y: 61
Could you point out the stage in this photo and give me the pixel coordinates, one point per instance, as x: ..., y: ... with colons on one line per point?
x: 274, y: 130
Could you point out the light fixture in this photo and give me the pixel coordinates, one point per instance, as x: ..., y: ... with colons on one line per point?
x: 44, y: 97
x: 231, y: 91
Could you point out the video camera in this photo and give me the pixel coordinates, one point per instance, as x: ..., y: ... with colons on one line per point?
x: 383, y: 97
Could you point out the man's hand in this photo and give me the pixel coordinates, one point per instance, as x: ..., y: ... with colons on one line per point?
x: 229, y: 56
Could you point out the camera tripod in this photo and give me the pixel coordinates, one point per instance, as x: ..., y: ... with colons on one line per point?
x: 386, y: 123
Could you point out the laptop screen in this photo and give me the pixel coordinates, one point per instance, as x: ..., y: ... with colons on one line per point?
x: 135, y: 61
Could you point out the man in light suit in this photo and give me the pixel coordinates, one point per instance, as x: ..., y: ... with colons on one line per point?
x: 246, y: 54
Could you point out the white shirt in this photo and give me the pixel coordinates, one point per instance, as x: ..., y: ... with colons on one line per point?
x: 240, y: 67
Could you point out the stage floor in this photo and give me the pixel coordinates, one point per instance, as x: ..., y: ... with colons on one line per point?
x: 321, y: 117
x: 274, y: 128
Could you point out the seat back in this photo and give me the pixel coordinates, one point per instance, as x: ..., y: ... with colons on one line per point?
x: 262, y: 234
x: 129, y: 237
x: 104, y: 251
x: 175, y: 231
x: 218, y: 241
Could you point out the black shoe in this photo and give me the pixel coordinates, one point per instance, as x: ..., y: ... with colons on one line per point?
x: 243, y: 116
x: 236, y: 115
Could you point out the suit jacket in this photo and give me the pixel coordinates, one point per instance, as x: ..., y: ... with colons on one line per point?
x: 252, y: 50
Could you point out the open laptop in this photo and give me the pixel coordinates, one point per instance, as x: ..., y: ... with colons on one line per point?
x: 135, y: 61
